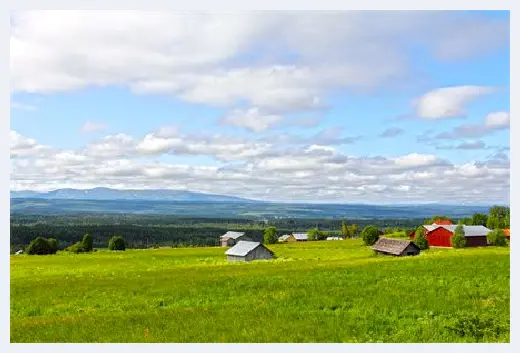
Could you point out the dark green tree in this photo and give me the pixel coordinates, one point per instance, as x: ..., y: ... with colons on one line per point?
x: 497, y: 237
x: 87, y: 242
x: 117, y: 243
x: 420, y: 240
x: 270, y: 236
x: 479, y: 219
x: 459, y: 238
x: 315, y: 234
x: 42, y: 246
x: 370, y: 235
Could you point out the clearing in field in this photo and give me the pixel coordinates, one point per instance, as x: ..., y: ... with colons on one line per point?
x: 328, y: 291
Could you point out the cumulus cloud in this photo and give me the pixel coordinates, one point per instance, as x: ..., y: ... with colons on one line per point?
x: 448, y: 102
x: 213, y: 58
x: 311, y: 173
x: 251, y: 119
x: 493, y: 122
x: 92, y: 126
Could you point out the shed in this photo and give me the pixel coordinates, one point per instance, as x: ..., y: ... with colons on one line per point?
x: 334, y: 238
x: 248, y: 251
x: 19, y: 252
x: 231, y: 238
x: 284, y: 238
x: 396, y: 247
x: 299, y: 237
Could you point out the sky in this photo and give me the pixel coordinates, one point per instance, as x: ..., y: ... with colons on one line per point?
x: 351, y: 107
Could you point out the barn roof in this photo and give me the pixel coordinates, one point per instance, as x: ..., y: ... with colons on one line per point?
x: 469, y: 231
x: 231, y: 234
x: 300, y: 236
x: 443, y: 222
x: 284, y: 237
x: 392, y: 246
x: 242, y: 248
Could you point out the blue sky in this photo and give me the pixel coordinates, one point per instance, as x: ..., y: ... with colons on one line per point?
x: 285, y: 106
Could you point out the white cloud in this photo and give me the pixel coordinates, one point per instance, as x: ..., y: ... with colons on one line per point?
x: 92, y: 126
x: 448, y: 102
x: 493, y: 122
x: 499, y: 120
x: 252, y: 119
x: 225, y: 58
x: 416, y: 160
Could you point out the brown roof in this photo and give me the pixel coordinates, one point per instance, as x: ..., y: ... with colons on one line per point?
x: 507, y: 232
x: 392, y: 246
x: 442, y: 222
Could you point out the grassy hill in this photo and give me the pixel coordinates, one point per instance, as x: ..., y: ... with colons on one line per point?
x: 329, y: 291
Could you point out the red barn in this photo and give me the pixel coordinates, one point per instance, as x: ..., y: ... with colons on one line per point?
x: 440, y: 235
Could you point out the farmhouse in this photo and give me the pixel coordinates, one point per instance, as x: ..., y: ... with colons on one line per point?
x: 248, y: 251
x: 298, y: 237
x: 440, y: 235
x: 396, y: 247
x: 231, y: 238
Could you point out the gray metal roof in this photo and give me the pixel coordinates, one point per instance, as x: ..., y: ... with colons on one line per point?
x: 469, y: 231
x: 300, y: 236
x: 242, y: 248
x: 392, y: 246
x: 231, y: 234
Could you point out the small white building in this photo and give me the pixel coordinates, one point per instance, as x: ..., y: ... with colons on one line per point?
x: 335, y: 238
x: 19, y: 252
x: 249, y: 251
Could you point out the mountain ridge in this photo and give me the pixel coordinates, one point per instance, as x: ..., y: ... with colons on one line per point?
x: 102, y: 193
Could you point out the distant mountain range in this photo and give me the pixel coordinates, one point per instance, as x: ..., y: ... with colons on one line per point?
x: 114, y: 194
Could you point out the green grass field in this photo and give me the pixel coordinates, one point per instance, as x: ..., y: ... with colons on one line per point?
x: 329, y: 291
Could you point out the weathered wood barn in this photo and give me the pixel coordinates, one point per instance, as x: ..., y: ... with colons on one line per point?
x: 249, y: 251
x: 396, y: 247
x: 231, y: 238
x: 441, y: 235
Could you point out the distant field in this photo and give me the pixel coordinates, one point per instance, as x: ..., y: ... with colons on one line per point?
x: 329, y: 291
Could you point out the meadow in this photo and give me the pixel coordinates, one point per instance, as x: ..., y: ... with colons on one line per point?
x: 326, y: 291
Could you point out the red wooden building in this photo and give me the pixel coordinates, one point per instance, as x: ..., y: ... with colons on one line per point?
x: 441, y: 235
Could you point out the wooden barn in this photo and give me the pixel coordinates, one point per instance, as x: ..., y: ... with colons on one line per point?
x: 249, y: 251
x: 396, y: 247
x: 298, y: 237
x: 440, y: 235
x: 231, y: 238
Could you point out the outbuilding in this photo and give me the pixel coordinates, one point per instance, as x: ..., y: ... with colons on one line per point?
x: 231, y: 238
x: 284, y: 238
x: 396, y: 247
x: 249, y: 251
x: 335, y: 238
x: 298, y: 237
